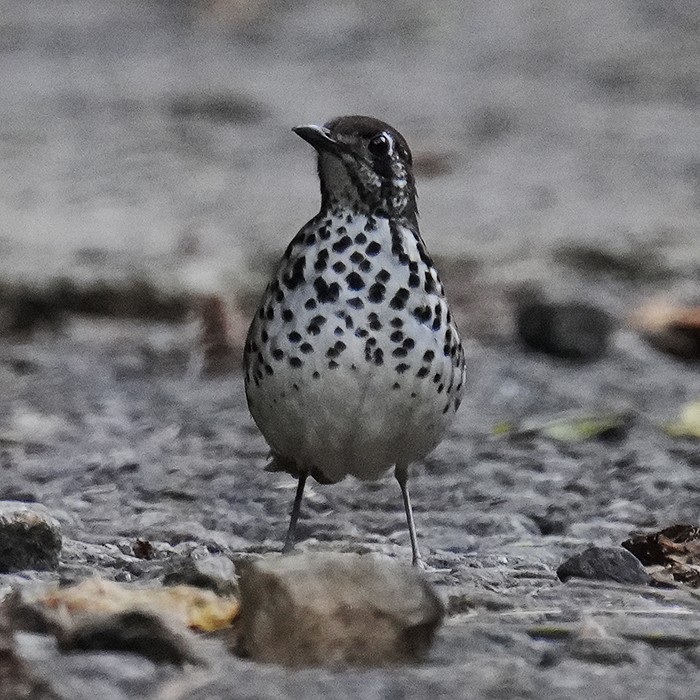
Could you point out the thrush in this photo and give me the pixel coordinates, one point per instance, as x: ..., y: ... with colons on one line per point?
x: 353, y: 362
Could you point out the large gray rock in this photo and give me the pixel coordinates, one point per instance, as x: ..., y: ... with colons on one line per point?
x: 29, y: 537
x: 335, y: 609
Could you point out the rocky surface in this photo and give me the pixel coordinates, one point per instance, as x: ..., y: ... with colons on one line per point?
x: 147, y: 156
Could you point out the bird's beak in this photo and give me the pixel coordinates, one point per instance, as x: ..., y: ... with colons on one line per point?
x: 319, y: 137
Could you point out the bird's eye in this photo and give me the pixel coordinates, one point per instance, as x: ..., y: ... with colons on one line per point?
x: 380, y: 145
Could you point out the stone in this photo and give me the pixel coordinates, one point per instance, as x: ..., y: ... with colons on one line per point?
x: 574, y: 331
x: 214, y: 572
x: 30, y: 538
x: 604, y: 564
x: 336, y: 609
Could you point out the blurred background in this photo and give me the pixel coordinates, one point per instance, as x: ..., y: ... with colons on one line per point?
x: 147, y: 156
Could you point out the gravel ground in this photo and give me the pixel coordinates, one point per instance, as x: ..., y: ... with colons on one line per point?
x: 557, y: 143
x: 113, y: 437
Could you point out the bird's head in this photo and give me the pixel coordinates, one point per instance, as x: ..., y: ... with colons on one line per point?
x: 365, y: 165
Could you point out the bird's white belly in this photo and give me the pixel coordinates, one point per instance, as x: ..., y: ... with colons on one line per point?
x: 353, y: 422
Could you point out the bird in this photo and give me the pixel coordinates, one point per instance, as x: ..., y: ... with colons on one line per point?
x: 353, y: 363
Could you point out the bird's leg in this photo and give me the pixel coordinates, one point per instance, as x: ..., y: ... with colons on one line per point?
x: 401, y: 473
x: 289, y: 542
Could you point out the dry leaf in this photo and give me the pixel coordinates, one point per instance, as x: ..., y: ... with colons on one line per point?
x: 672, y: 329
x: 671, y: 555
x: 193, y: 607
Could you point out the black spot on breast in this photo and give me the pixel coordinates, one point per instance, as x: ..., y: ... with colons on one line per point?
x: 268, y: 369
x: 287, y: 315
x: 356, y: 303
x: 325, y: 233
x: 355, y: 281
x: 294, y: 337
x: 356, y: 257
x: 399, y: 299
x: 375, y: 294
x: 396, y: 337
x: 413, y: 266
x: 437, y: 378
x: 361, y: 332
x: 429, y: 285
x: 428, y: 356
x: 396, y: 385
x: 422, y: 313
x: 333, y: 364
x: 264, y: 336
x: 315, y: 375
x: 310, y: 304
x: 295, y: 362
x: 441, y: 388
x: 349, y: 322
x: 326, y: 293
x: 297, y: 276
x: 378, y: 356
x: 339, y: 267
x: 269, y: 313
x: 318, y: 320
x: 338, y: 331
x: 343, y: 244
x: 348, y: 219
x: 413, y: 280
x: 383, y: 276
x: 374, y: 322
x: 306, y: 348
x: 340, y: 230
x: 277, y: 354
x: 422, y: 372
x: 400, y: 352
x: 360, y: 239
x: 397, y: 322
x: 424, y: 254
x: 374, y: 248
x: 402, y: 367
x: 409, y: 343
x: 313, y: 329
x: 311, y: 239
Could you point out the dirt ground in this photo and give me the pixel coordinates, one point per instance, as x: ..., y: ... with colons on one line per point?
x: 556, y: 143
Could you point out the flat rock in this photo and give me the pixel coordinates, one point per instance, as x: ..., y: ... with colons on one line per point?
x: 604, y: 564
x: 30, y: 538
x: 336, y: 609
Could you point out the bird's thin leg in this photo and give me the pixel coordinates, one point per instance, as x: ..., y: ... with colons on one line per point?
x: 401, y: 473
x: 289, y: 542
